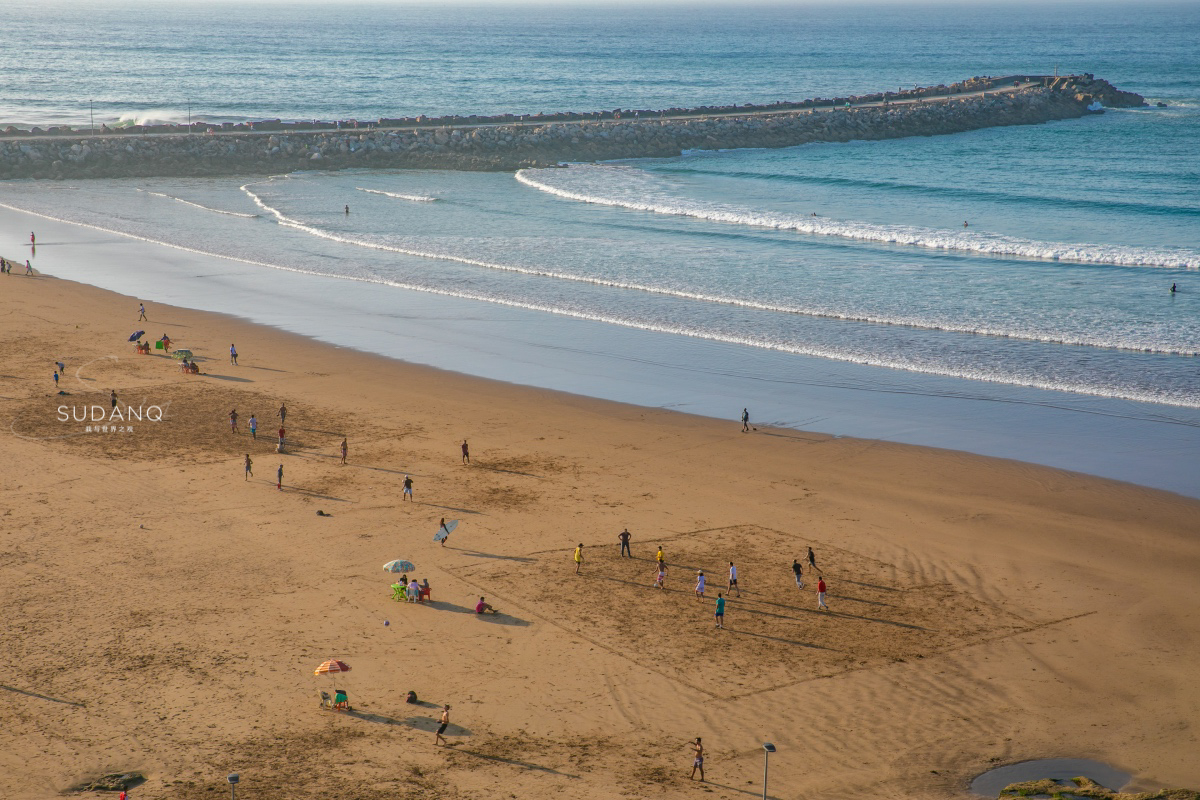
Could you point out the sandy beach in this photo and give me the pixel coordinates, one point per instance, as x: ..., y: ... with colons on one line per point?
x: 165, y: 614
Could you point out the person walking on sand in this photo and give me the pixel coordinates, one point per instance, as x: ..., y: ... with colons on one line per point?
x: 233, y: 355
x: 62, y: 368
x: 345, y: 450
x: 812, y: 561
x: 249, y: 467
x: 279, y: 478
x: 720, y: 612
x: 142, y: 312
x: 799, y: 573
x: 745, y: 420
x: 579, y: 558
x: 282, y: 434
x: 443, y: 528
x: 821, y: 594
x: 113, y: 398
x: 466, y: 453
x: 700, y: 580
x: 28, y: 267
x: 254, y: 427
x: 624, y: 537
x: 445, y: 723
x: 233, y: 418
x: 56, y: 379
x: 659, y: 557
x: 733, y: 580
x: 660, y: 577
x: 407, y: 493
x: 282, y: 414
x: 698, y: 759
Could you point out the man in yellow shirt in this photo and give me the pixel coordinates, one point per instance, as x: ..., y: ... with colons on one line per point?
x: 578, y: 557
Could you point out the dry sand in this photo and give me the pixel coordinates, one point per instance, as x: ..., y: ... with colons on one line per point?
x: 164, y: 615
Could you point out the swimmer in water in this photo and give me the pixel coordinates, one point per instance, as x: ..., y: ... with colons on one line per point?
x: 964, y: 223
x: 347, y: 210
x: 1172, y: 288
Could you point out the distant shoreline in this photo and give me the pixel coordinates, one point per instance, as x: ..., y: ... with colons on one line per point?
x: 510, y: 142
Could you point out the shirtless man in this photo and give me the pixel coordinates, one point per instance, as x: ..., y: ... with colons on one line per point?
x: 698, y: 761
x: 445, y: 723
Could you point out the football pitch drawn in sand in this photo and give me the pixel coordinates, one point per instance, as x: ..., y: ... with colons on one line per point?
x: 774, y: 635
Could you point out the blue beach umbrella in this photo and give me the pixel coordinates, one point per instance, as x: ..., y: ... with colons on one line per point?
x: 133, y: 337
x: 399, y: 565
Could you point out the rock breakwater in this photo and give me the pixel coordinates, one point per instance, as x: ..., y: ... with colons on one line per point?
x: 508, y: 143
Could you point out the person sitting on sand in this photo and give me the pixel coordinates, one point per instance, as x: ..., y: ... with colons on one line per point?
x: 482, y: 607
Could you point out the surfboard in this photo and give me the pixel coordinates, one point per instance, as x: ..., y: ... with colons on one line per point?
x: 442, y: 534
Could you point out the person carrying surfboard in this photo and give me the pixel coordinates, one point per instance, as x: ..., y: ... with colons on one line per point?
x: 442, y: 529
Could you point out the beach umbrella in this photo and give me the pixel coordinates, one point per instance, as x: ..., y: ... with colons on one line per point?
x: 399, y: 565
x: 331, y: 667
x: 133, y: 337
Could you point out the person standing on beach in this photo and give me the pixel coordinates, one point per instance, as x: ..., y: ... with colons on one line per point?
x: 279, y: 478
x: 745, y: 420
x: 282, y: 414
x: 249, y: 467
x: 56, y: 379
x: 700, y: 580
x: 28, y: 267
x: 720, y: 613
x: 798, y: 571
x: 659, y: 557
x: 282, y: 434
x: 407, y: 493
x: 733, y: 580
x: 142, y: 312
x: 254, y: 427
x: 812, y: 561
x: 579, y: 558
x: 113, y: 398
x: 624, y: 537
x: 821, y: 594
x: 660, y: 577
x: 345, y: 450
x: 233, y: 417
x: 698, y: 759
x: 445, y: 720
x: 62, y: 368
x: 466, y: 453
x: 233, y: 355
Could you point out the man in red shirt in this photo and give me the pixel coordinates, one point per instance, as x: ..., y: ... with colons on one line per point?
x: 821, y: 594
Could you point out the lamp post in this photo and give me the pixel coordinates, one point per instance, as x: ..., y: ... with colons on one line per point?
x: 233, y: 779
x: 91, y: 118
x: 768, y: 748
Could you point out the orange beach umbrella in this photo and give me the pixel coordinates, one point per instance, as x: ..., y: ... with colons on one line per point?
x: 331, y: 666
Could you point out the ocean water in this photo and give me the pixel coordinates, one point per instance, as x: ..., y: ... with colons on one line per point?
x: 851, y: 253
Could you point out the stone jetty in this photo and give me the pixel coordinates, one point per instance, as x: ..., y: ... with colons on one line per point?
x: 512, y: 142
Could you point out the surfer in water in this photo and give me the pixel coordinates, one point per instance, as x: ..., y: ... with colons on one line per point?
x: 1173, y: 288
x: 966, y: 224
x: 347, y: 211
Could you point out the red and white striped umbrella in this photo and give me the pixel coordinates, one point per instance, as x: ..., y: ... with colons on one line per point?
x: 331, y: 666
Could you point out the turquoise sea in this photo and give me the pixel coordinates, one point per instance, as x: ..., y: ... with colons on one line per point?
x: 703, y: 282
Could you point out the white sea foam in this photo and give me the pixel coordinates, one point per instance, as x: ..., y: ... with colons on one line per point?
x: 998, y: 376
x: 416, y: 198
x: 629, y: 187
x: 1128, y: 342
x: 197, y: 205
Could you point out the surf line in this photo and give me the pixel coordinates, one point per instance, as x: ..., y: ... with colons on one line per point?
x: 986, y: 244
x: 416, y: 198
x: 1047, y: 338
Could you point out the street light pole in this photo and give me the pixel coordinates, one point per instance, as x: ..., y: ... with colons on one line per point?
x: 233, y: 779
x: 91, y: 118
x: 768, y: 748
